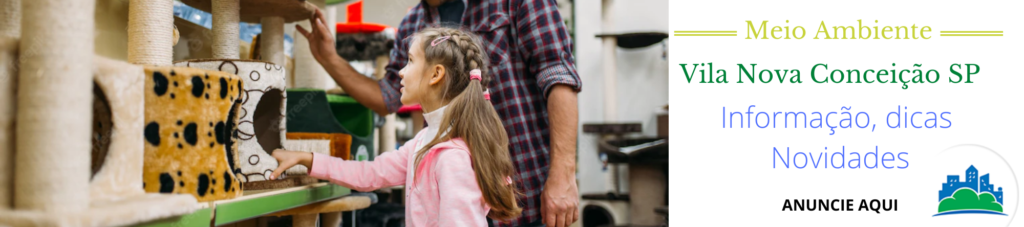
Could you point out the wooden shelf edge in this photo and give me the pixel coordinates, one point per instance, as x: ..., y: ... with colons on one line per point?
x: 260, y: 204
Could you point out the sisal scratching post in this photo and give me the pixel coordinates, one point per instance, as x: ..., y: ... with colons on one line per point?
x: 52, y: 105
x: 151, y: 32
x: 272, y: 48
x: 10, y: 18
x: 331, y: 13
x: 8, y: 62
x: 388, y: 137
x: 225, y: 29
x: 308, y: 72
x: 10, y: 30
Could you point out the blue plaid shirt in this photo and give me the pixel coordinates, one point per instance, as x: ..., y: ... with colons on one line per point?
x: 530, y: 52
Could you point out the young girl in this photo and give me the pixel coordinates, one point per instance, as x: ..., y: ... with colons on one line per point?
x: 457, y: 170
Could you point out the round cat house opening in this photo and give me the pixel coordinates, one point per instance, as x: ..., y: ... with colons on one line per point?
x: 267, y: 120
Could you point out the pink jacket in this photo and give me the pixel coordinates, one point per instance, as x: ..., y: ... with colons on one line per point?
x: 445, y: 193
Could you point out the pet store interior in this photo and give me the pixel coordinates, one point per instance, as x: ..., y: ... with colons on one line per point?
x: 165, y: 112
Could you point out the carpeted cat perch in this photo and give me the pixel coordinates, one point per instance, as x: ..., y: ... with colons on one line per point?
x: 115, y: 195
x: 261, y: 124
x: 191, y: 118
x: 116, y: 189
x: 118, y: 121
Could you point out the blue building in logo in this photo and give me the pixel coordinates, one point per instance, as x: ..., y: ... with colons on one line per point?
x: 972, y: 181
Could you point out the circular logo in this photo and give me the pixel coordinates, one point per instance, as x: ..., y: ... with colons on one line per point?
x: 976, y: 187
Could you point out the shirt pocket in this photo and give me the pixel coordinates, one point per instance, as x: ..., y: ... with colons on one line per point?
x: 495, y: 34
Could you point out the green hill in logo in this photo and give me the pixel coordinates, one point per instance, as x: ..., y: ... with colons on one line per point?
x: 967, y: 199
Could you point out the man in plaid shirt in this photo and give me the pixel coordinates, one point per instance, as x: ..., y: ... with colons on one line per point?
x: 534, y: 90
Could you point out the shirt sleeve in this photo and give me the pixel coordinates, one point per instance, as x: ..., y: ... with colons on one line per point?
x: 390, y: 85
x: 542, y: 36
x: 462, y: 201
x: 388, y: 169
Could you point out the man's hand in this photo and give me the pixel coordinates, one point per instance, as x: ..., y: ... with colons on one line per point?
x: 321, y: 44
x: 287, y: 159
x: 321, y: 41
x: 560, y: 201
x: 560, y: 198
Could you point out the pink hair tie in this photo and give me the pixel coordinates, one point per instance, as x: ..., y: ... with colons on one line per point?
x: 438, y: 40
x: 475, y: 75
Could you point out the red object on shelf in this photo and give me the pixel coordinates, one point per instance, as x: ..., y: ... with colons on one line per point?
x: 355, y: 11
x: 410, y: 108
x: 355, y: 22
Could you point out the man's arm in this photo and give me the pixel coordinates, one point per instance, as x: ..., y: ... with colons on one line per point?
x: 543, y: 37
x: 364, y: 90
x: 560, y: 188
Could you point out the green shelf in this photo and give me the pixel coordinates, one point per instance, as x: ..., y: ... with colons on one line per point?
x: 256, y: 205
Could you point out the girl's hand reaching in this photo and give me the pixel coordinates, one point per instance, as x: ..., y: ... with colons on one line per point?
x: 286, y: 159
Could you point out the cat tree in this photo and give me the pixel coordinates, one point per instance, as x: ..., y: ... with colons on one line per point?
x: 262, y: 122
x: 188, y: 142
x: 63, y: 183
